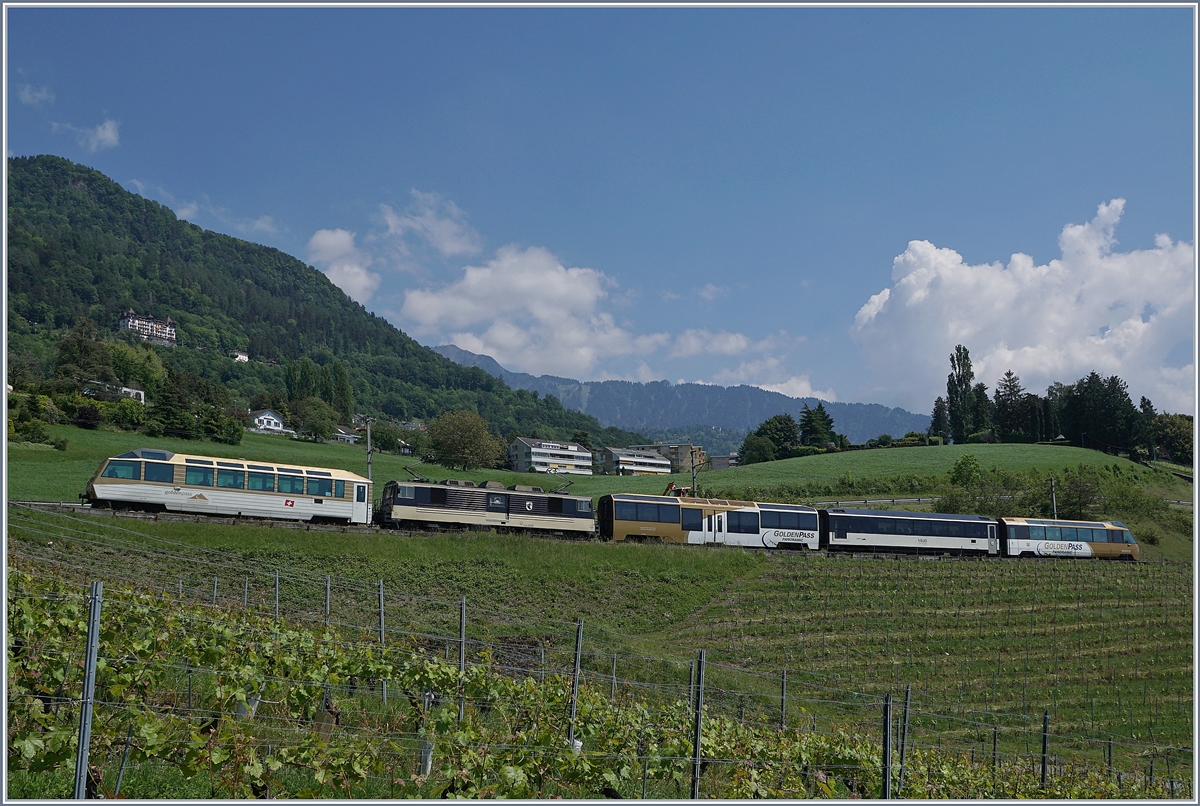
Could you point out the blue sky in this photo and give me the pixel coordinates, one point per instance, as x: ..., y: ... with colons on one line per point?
x: 814, y: 200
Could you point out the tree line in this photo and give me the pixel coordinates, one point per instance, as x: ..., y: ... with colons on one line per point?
x: 1094, y: 412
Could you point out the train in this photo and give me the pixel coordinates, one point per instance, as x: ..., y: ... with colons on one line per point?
x: 164, y: 481
x: 707, y: 521
x: 160, y: 480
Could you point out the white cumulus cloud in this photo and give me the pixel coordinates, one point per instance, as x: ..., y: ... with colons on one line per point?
x: 1095, y: 308
x: 439, y: 222
x: 106, y: 135
x: 529, y: 312
x: 771, y: 373
x: 36, y: 97
x: 333, y: 251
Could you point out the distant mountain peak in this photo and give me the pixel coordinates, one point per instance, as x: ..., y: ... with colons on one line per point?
x: 664, y: 405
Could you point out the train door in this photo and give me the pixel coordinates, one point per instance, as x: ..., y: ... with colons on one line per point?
x: 993, y: 540
x: 362, y: 505
x: 714, y: 528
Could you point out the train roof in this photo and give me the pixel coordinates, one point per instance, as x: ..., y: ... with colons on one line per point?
x: 241, y: 463
x: 897, y: 513
x: 721, y: 502
x: 1048, y: 522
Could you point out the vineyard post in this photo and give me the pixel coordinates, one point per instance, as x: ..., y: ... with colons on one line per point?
x: 246, y: 594
x: 903, y: 735
x: 691, y: 683
x: 995, y: 743
x: 124, y: 759
x: 542, y: 668
x: 575, y: 682
x: 1045, y: 744
x: 89, y: 689
x: 181, y: 589
x: 327, y: 600
x: 887, y: 747
x: 214, y: 604
x: 783, y: 702
x: 276, y: 595
x: 698, y: 728
x: 462, y: 656
x: 381, y: 636
x: 612, y: 690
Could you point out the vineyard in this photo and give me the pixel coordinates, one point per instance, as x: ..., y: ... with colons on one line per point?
x: 219, y: 677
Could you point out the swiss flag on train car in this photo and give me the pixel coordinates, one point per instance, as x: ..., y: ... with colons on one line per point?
x: 289, y: 503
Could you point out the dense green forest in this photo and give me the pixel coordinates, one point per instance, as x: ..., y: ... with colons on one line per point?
x: 81, y: 247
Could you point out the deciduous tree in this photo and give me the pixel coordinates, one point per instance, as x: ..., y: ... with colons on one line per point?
x: 461, y: 439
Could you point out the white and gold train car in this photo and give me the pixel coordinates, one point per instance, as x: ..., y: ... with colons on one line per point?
x: 163, y: 481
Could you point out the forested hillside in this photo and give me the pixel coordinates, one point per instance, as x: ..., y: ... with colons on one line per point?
x: 81, y: 246
x: 662, y: 405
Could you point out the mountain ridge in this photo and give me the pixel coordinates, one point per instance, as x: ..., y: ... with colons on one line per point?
x: 661, y: 405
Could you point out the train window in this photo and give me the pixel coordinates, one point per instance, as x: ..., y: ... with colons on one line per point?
x: 158, y: 471
x: 261, y: 482
x: 319, y: 473
x: 123, y: 470
x: 743, y: 523
x: 955, y: 529
x: 264, y: 468
x: 554, y: 505
x: 362, y: 494
x: 405, y: 491
x: 1053, y: 532
x: 976, y: 530
x: 769, y: 519
x: 198, y: 461
x: 583, y: 505
x: 904, y: 527
x: 497, y: 502
x: 1128, y: 537
x: 883, y: 526
x: 1037, y: 532
x: 339, y: 489
x: 234, y: 479
x: 669, y: 513
x: 922, y: 528
x: 291, y: 484
x: 626, y: 511
x: 1070, y: 534
x: 290, y: 470
x: 202, y: 476
x: 320, y: 488
x: 806, y: 520
x: 693, y: 519
x: 229, y: 464
x: 157, y: 455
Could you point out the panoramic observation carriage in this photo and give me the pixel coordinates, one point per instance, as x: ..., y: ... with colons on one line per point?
x: 423, y: 503
x: 703, y: 521
x: 1027, y: 537
x: 161, y: 480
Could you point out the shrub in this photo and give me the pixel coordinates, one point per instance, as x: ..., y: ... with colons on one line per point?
x: 88, y: 416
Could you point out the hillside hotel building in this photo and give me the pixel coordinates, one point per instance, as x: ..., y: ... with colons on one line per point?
x: 537, y: 456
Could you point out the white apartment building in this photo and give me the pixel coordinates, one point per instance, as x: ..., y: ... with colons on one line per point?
x: 628, y: 462
x: 539, y: 456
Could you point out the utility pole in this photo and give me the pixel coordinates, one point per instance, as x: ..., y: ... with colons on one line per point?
x: 370, y: 421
